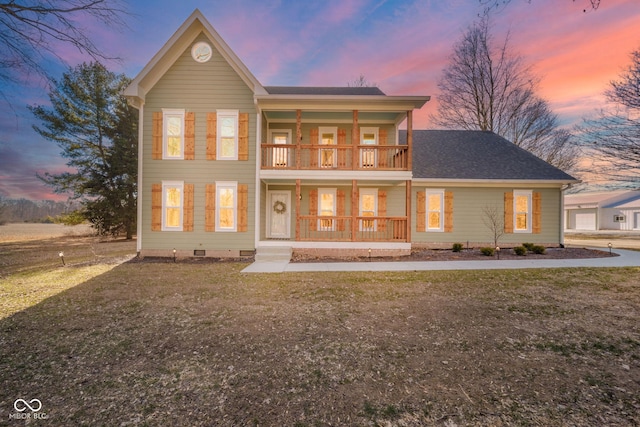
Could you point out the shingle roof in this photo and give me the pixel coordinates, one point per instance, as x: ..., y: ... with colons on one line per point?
x: 462, y: 154
x: 316, y: 90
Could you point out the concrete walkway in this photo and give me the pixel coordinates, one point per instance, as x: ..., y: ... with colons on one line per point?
x: 626, y: 258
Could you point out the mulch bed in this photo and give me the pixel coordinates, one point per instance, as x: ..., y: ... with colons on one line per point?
x: 464, y: 255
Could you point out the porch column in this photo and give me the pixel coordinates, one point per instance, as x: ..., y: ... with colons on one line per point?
x: 408, y: 213
x: 354, y: 209
x: 355, y: 141
x: 409, y: 138
x: 298, y: 137
x: 298, y: 196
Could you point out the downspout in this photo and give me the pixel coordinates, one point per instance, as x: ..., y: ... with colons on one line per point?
x: 563, y: 215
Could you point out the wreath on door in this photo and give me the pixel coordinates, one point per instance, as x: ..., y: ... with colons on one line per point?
x: 279, y: 207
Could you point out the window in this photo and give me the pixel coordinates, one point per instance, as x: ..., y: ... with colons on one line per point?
x: 227, y: 144
x: 172, y: 205
x: 173, y: 134
x: 522, y: 211
x: 619, y: 218
x: 328, y: 137
x: 435, y: 210
x: 368, y: 136
x: 368, y: 207
x: 280, y: 155
x: 226, y: 206
x: 326, y: 207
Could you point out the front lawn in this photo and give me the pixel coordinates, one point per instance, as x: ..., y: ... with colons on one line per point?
x: 200, y: 343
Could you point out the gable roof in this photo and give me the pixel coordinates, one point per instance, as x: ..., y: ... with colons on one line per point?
x: 318, y: 90
x: 604, y: 199
x: 175, y: 46
x: 476, y: 155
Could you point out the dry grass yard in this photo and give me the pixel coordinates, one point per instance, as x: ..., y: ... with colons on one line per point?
x: 104, y: 341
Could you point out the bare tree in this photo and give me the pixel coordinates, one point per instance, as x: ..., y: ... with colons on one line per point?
x: 487, y: 87
x: 361, y: 81
x: 612, y: 137
x: 490, y: 5
x: 493, y: 219
x: 30, y: 32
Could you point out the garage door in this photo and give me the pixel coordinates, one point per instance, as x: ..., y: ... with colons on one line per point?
x: 583, y: 220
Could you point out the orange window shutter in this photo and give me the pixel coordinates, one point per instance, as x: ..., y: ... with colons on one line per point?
x: 243, y: 206
x: 382, y: 209
x: 156, y: 136
x: 508, y: 212
x: 187, y: 220
x: 537, y: 212
x: 313, y: 209
x: 341, y: 209
x: 421, y: 211
x: 342, y: 154
x: 382, y: 137
x: 313, y: 140
x: 448, y: 211
x: 212, y: 135
x: 210, y: 208
x: 243, y: 136
x: 190, y: 136
x: 156, y: 207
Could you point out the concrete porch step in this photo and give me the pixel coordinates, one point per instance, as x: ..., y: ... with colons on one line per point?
x: 274, y: 254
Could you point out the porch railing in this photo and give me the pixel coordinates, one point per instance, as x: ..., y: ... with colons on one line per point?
x: 341, y: 157
x: 341, y: 228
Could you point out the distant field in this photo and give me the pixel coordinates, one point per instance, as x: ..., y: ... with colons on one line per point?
x: 17, y: 232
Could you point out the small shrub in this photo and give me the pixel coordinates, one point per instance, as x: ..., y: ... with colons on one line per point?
x: 520, y: 250
x: 488, y: 251
x: 457, y: 247
x: 528, y: 246
x: 537, y: 249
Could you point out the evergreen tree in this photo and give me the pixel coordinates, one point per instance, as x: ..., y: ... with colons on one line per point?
x: 97, y: 131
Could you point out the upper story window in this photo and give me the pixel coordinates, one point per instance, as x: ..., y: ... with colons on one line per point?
x: 173, y: 134
x: 435, y: 210
x: 328, y: 156
x: 368, y: 136
x: 522, y: 211
x: 172, y: 205
x: 227, y: 144
x: 280, y: 154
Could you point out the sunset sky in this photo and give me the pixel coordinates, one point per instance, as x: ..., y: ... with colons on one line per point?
x: 401, y: 45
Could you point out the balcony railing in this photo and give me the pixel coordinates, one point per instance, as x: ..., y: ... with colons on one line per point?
x: 340, y: 157
x: 340, y: 228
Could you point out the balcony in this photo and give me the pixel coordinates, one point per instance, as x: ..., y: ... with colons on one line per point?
x: 339, y: 157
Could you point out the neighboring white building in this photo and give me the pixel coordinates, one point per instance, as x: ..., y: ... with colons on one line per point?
x: 604, y: 210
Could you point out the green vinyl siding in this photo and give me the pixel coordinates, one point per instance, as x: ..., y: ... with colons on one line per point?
x: 468, y: 224
x: 199, y: 88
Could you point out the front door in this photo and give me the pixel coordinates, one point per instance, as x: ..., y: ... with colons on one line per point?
x: 279, y: 214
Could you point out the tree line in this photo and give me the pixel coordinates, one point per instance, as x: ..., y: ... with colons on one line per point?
x: 24, y: 210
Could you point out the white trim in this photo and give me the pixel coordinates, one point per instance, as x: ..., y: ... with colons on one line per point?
x: 258, y: 186
x: 166, y: 114
x: 226, y: 114
x: 440, y: 193
x: 165, y: 186
x: 140, y: 183
x: 529, y: 213
x: 219, y: 186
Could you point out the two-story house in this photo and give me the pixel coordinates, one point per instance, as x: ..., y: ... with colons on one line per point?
x: 228, y: 166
